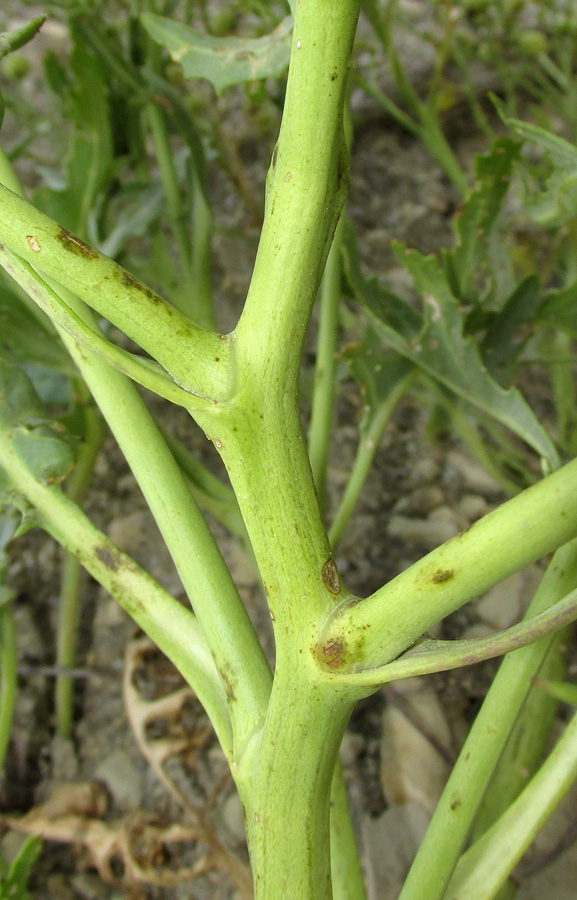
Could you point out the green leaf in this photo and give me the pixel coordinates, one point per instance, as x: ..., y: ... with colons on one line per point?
x: 559, y: 309
x: 45, y: 451
x: 13, y: 40
x: 223, y: 61
x: 478, y: 265
x: 556, y: 204
x: 502, y: 344
x: 19, y: 402
x: 23, y: 336
x: 562, y: 152
x: 14, y: 881
x: 43, y: 445
x: 440, y: 348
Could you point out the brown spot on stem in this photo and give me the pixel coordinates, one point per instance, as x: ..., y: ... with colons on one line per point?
x: 110, y: 560
x: 330, y: 575
x: 333, y: 652
x: 227, y: 684
x: 75, y: 245
x: 130, y: 281
x: 442, y: 575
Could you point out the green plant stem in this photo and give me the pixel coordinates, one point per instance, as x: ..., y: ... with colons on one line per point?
x: 440, y: 656
x: 67, y: 635
x: 427, y: 126
x: 289, y: 846
x: 260, y: 438
x: 194, y: 256
x: 144, y: 371
x: 202, y: 229
x: 67, y: 631
x: 197, y: 359
x: 8, y: 677
x: 240, y: 660
x: 346, y: 872
x: 172, y: 189
x: 565, y: 392
x: 172, y: 627
x: 484, y: 868
x: 493, y: 548
x: 525, y: 749
x: 325, y: 368
x: 453, y: 817
x: 209, y: 491
x: 366, y: 450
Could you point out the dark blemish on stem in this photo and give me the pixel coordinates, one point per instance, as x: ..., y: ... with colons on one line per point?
x: 110, y: 560
x: 442, y: 575
x: 331, y: 577
x: 227, y: 685
x: 130, y: 281
x: 455, y: 804
x: 75, y: 245
x: 334, y: 75
x: 274, y: 155
x: 333, y: 652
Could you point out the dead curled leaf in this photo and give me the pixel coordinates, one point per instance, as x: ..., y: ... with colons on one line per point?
x: 178, y: 741
x: 130, y: 850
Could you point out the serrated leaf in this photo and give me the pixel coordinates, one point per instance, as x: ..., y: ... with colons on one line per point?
x: 478, y: 266
x: 442, y: 351
x: 223, y: 61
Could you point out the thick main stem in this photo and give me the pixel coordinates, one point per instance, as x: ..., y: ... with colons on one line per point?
x: 259, y: 435
x: 289, y: 827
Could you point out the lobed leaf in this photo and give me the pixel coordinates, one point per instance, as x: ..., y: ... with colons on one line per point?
x: 479, y: 254
x: 223, y: 61
x: 439, y: 346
